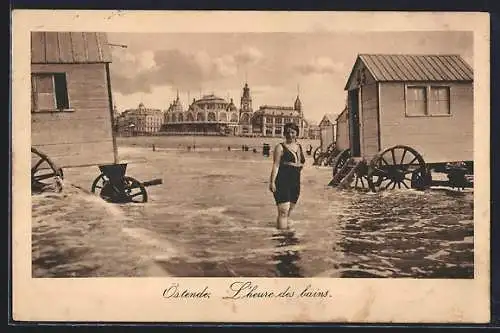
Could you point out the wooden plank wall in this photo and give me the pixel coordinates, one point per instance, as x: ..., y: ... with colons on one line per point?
x: 369, y: 79
x: 327, y: 135
x: 368, y: 120
x: 439, y: 138
x: 84, y: 136
x: 342, y: 134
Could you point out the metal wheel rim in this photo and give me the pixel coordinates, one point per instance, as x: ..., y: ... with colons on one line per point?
x: 390, y: 170
x: 340, y: 160
x: 44, y: 171
x: 135, y: 191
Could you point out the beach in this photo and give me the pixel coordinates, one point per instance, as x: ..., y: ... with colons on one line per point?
x: 213, y: 216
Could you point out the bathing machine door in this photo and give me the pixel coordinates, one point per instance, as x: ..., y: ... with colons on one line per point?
x: 354, y: 131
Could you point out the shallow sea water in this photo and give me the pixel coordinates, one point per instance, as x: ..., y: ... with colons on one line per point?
x: 214, y: 216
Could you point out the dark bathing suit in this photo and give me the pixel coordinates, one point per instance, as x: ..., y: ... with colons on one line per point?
x: 288, y: 177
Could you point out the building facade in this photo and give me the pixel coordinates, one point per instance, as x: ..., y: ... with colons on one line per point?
x: 209, y: 115
x: 140, y: 121
x: 314, y: 132
x: 212, y: 115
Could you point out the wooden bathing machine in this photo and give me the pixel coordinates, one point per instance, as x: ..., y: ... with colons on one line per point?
x: 342, y: 135
x: 324, y: 154
x: 407, y: 105
x: 327, y: 131
x: 72, y: 108
x: 422, y: 101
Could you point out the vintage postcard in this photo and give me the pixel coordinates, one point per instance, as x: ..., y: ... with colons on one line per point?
x: 265, y: 167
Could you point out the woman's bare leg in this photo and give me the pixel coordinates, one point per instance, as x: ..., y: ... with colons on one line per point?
x: 283, y: 211
x: 292, y: 206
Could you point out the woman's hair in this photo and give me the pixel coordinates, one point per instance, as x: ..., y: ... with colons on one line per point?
x: 293, y: 126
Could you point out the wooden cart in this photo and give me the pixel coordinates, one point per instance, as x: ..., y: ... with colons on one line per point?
x: 409, y: 117
x: 325, y: 153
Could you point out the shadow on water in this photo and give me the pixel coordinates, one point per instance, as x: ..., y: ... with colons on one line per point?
x: 285, y: 255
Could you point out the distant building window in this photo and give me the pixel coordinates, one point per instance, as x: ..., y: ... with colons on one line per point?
x: 49, y: 92
x: 211, y: 116
x: 427, y: 100
x: 245, y: 119
x: 200, y: 116
x: 279, y: 120
x: 223, y: 117
x: 269, y: 120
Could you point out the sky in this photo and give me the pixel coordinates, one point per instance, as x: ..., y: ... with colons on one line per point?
x: 153, y: 68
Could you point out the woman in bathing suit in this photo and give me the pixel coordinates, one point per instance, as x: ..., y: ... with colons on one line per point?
x: 288, y: 160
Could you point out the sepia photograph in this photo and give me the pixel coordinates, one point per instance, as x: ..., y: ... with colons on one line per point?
x: 252, y: 154
x: 263, y: 164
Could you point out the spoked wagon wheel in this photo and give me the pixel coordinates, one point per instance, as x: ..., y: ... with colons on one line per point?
x: 361, y: 178
x: 131, y: 190
x: 135, y: 191
x: 331, y: 153
x: 397, y: 166
x: 44, y: 173
x: 340, y: 160
x: 99, y: 183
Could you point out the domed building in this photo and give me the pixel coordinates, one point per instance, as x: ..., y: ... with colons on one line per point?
x: 209, y: 115
x: 213, y: 115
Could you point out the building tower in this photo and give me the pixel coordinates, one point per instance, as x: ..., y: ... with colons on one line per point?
x: 246, y: 111
x: 298, y: 107
x: 246, y: 100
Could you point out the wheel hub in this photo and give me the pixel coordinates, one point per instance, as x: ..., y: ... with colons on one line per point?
x: 397, y: 174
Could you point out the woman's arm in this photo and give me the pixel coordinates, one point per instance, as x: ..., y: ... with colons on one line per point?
x: 278, y: 150
x: 302, y: 157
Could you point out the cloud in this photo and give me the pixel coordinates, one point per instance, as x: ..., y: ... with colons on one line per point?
x: 184, y: 70
x: 248, y: 56
x: 320, y: 65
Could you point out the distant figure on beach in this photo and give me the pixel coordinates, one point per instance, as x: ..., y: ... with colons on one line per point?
x: 288, y: 160
x: 309, y: 149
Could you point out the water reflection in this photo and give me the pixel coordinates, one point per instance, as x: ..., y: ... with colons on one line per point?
x: 287, y: 255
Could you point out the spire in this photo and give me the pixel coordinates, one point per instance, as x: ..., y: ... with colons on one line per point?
x: 246, y: 99
x: 298, y: 103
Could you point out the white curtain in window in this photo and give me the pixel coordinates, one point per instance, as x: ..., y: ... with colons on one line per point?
x: 439, y: 100
x: 416, y: 101
x: 43, y: 87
